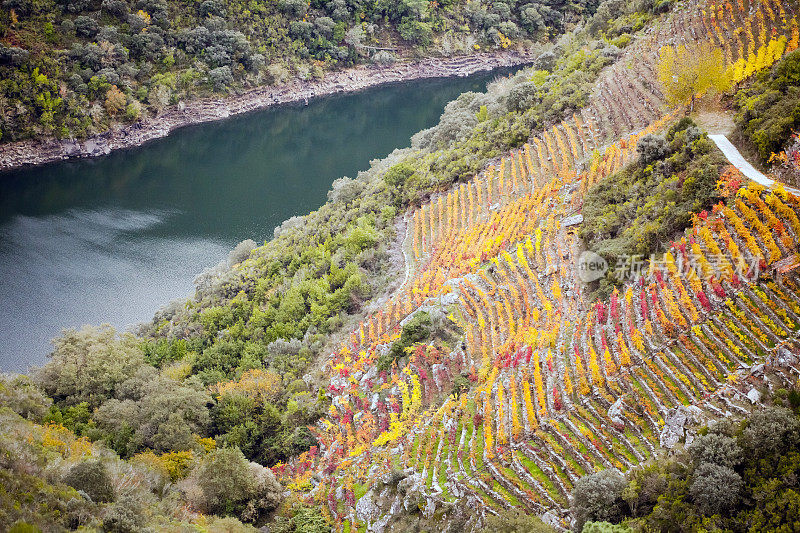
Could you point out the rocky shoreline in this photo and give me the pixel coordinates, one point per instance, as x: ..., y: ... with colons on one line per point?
x: 37, y: 152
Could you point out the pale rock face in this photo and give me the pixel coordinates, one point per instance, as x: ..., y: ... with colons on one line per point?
x: 382, y: 349
x: 615, y: 412
x: 675, y: 422
x: 367, y: 509
x: 449, y: 299
x: 339, y: 381
x: 430, y: 508
x: 754, y: 396
x: 436, y: 373
x: 785, y: 357
x: 550, y: 518
x: 372, y: 373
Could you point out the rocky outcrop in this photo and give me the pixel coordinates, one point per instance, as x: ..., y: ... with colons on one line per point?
x: 677, y: 425
x: 35, y: 152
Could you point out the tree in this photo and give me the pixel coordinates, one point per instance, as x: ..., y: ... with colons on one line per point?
x: 92, y: 478
x: 231, y: 485
x: 89, y: 364
x: 771, y: 432
x: 115, y: 101
x: 220, y: 78
x: 155, y: 412
x: 716, y: 449
x: 688, y: 71
x: 598, y: 497
x: 23, y: 397
x: 715, y: 489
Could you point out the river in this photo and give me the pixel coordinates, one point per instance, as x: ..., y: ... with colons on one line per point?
x: 114, y: 238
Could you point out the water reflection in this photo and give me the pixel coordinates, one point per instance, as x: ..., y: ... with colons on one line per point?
x: 112, y: 239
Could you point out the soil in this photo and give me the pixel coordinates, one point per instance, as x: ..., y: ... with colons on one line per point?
x: 713, y: 117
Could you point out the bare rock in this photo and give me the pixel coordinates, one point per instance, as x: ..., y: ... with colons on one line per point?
x: 615, y: 412
x: 754, y: 396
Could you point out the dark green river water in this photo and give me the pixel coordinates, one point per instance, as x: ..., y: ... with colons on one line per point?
x: 112, y: 239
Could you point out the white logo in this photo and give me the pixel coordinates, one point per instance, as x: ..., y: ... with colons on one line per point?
x: 591, y: 266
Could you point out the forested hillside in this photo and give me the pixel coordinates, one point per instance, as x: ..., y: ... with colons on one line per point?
x: 441, y: 347
x: 73, y: 68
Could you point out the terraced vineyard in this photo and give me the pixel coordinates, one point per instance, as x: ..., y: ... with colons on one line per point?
x: 559, y: 387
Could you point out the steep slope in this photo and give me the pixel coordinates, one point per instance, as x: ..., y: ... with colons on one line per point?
x: 544, y: 387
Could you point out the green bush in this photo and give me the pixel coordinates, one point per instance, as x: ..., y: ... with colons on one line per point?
x: 768, y: 109
x: 92, y: 478
x: 641, y: 207
x: 416, y: 330
x: 88, y: 364
x: 598, y: 497
x: 233, y: 486
x: 737, y: 476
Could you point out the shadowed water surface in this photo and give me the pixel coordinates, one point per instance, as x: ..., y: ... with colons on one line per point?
x: 112, y: 239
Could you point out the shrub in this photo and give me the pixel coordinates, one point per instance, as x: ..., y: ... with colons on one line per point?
x: 303, y: 519
x: 715, y: 488
x: 300, y: 30
x: 715, y: 449
x: 161, y: 414
x: 769, y: 108
x: 23, y: 397
x: 294, y: 8
x: 115, y: 101
x: 12, y: 55
x: 220, y: 78
x: 233, y: 486
x: 277, y: 74
x: 124, y: 516
x: 652, y: 148
x: 771, y: 432
x: 116, y: 8
x: 515, y: 521
x: 241, y: 252
x: 416, y: 31
x: 87, y: 365
x: 86, y: 26
x: 92, y: 478
x: 384, y: 57
x: 416, y: 330
x: 598, y: 497
x: 345, y: 190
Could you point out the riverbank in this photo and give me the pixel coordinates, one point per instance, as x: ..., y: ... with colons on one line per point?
x: 37, y: 152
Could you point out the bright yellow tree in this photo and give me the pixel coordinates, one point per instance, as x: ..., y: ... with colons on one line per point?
x: 688, y: 71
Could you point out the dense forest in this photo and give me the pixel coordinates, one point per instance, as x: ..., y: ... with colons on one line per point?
x: 74, y: 68
x: 420, y: 353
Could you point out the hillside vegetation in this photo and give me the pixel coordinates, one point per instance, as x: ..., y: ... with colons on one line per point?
x: 72, y: 68
x: 635, y: 212
x: 768, y: 115
x: 735, y: 476
x: 421, y: 353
